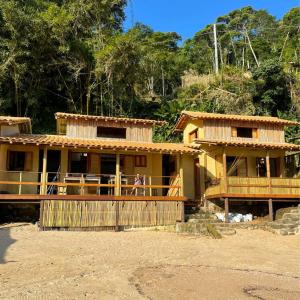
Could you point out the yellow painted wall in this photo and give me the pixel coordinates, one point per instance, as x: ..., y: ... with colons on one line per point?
x: 215, y: 162
x: 191, y: 126
x: 31, y: 176
x: 188, y: 176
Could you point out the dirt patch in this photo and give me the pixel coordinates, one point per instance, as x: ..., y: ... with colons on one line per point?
x: 146, y: 265
x: 208, y: 282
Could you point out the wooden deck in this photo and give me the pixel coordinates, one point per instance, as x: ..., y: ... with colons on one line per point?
x: 256, y: 188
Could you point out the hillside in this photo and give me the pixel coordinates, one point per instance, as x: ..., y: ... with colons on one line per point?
x: 74, y: 56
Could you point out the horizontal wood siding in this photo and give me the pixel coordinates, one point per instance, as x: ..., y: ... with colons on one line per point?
x: 88, y: 129
x: 222, y: 130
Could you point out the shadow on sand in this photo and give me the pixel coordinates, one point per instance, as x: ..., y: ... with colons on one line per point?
x: 5, y: 242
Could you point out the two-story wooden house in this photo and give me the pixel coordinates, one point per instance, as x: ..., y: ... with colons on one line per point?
x: 242, y: 157
x: 106, y: 169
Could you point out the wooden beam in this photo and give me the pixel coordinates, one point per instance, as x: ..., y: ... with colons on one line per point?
x: 118, y: 175
x: 43, y: 190
x: 271, y: 217
x: 226, y: 204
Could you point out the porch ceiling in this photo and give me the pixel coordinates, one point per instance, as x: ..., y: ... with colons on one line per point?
x: 63, y: 141
x: 283, y: 146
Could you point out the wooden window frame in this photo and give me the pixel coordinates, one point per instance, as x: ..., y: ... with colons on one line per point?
x: 254, y: 132
x: 193, y: 135
x: 140, y: 161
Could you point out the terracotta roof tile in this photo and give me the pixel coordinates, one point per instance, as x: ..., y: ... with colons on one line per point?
x: 7, y: 120
x: 284, y: 146
x: 60, y: 140
x: 60, y: 115
x: 185, y: 115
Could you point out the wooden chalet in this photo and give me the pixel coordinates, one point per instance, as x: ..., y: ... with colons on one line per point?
x: 96, y: 172
x: 106, y: 172
x: 242, y: 158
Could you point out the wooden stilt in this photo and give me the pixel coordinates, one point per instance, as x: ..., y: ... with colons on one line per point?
x: 226, y: 202
x: 271, y: 217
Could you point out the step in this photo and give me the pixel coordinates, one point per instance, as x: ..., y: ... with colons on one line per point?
x: 203, y: 221
x: 290, y: 221
x: 291, y: 215
x: 226, y: 230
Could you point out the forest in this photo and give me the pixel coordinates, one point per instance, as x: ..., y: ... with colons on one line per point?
x: 75, y: 56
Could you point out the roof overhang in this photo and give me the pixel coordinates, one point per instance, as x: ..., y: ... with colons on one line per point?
x: 185, y: 116
x: 259, y: 145
x: 68, y: 116
x: 63, y: 141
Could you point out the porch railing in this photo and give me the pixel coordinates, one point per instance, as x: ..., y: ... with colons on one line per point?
x: 255, y: 186
x: 34, y: 183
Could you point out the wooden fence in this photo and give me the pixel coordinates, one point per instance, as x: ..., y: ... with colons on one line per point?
x: 108, y: 214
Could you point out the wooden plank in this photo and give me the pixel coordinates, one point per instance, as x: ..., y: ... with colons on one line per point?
x: 247, y: 196
x: 17, y: 197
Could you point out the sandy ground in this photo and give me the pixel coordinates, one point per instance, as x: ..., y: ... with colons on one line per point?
x: 253, y: 264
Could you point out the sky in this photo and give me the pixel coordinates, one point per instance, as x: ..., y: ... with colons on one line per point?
x: 187, y: 17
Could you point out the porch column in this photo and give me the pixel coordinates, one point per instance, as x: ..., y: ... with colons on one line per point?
x: 117, y: 179
x: 268, y: 170
x: 117, y: 190
x: 43, y: 190
x: 271, y: 217
x: 225, y: 170
x: 226, y: 206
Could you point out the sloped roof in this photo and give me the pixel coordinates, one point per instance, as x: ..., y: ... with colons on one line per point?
x: 7, y: 120
x: 60, y: 115
x: 63, y: 141
x: 252, y: 144
x: 186, y: 115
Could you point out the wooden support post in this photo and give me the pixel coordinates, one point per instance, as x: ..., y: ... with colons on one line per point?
x: 268, y: 171
x: 82, y: 187
x: 150, y: 183
x: 270, y: 201
x: 43, y: 190
x: 226, y: 204
x: 20, y: 185
x: 117, y: 179
x: 117, y: 190
x: 225, y: 171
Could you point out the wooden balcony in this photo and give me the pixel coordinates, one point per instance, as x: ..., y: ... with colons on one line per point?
x: 255, y: 188
x: 36, y: 186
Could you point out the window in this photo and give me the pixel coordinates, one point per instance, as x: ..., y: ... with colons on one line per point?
x: 19, y: 161
x: 140, y: 161
x: 193, y: 135
x: 111, y: 132
x: 244, y: 132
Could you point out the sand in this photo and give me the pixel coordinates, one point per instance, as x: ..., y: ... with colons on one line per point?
x: 253, y: 264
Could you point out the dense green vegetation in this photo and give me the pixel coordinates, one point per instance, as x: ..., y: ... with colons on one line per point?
x: 64, y: 55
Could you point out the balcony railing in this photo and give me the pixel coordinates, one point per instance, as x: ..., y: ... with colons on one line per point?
x: 248, y: 186
x: 83, y: 184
